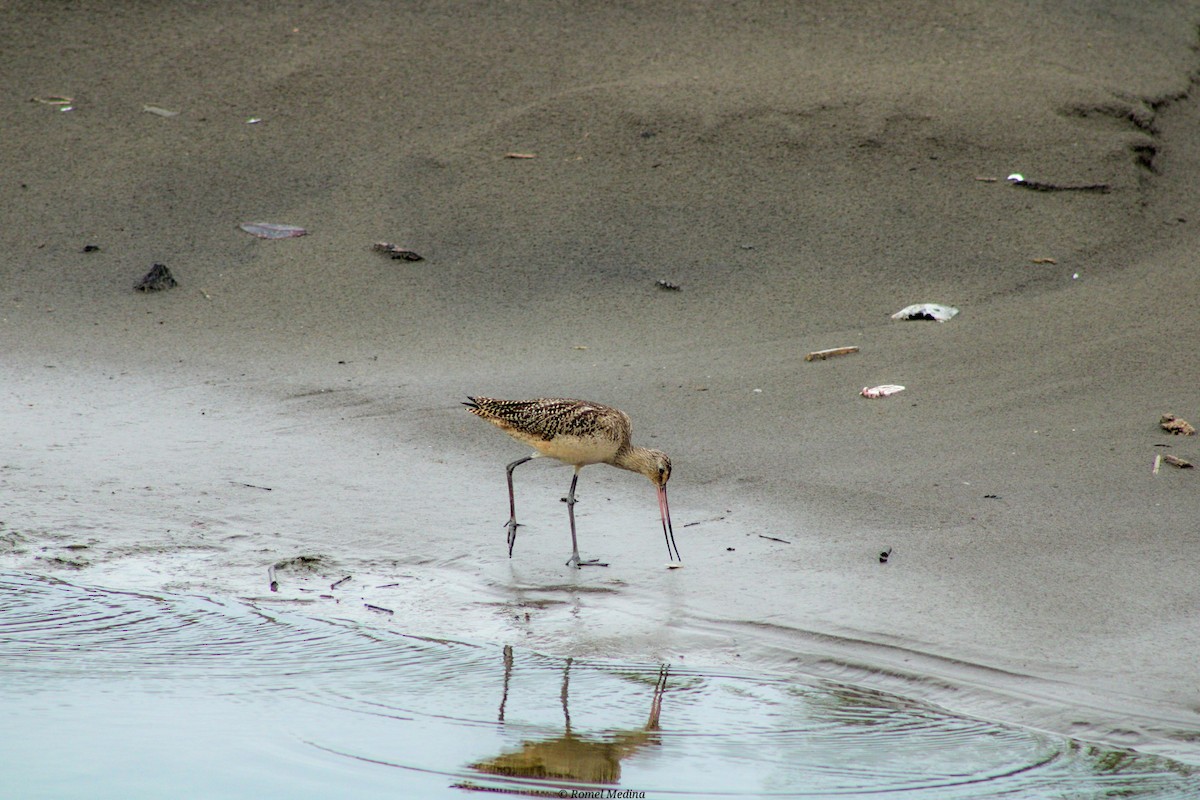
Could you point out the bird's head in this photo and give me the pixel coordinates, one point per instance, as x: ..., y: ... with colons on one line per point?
x: 658, y: 468
x: 654, y: 464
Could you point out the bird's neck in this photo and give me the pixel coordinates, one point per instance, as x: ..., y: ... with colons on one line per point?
x: 636, y: 459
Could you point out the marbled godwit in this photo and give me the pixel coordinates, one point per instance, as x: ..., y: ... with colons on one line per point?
x: 578, y: 433
x: 570, y: 756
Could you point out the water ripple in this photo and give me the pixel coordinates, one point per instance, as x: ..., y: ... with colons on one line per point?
x: 80, y: 631
x: 399, y: 711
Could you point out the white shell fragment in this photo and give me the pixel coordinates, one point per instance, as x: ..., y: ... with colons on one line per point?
x: 885, y: 390
x: 1016, y: 177
x: 821, y: 355
x: 934, y: 311
x: 272, y: 230
x: 158, y: 111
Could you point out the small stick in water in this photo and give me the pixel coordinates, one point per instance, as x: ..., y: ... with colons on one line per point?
x: 380, y: 609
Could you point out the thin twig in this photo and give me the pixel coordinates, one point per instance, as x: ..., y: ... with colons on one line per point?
x: 1038, y: 186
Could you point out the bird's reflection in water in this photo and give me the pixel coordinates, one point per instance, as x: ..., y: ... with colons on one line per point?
x: 571, y: 757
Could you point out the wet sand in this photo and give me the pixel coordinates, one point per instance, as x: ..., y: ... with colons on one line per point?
x: 800, y: 173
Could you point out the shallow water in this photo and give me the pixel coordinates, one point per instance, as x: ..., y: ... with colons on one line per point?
x: 124, y: 694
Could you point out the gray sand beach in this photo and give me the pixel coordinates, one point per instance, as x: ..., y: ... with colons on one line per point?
x: 800, y: 171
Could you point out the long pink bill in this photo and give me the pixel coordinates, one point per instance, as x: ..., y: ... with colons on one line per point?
x: 668, y: 531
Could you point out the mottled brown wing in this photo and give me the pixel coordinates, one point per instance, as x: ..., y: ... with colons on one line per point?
x: 548, y: 417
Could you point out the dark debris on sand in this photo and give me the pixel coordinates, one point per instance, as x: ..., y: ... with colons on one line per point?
x: 157, y: 279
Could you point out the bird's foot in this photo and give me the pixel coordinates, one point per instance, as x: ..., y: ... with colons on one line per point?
x: 578, y: 563
x: 512, y: 526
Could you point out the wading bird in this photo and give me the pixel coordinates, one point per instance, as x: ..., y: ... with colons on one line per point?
x: 578, y: 433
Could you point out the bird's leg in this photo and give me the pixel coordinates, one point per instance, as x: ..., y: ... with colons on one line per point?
x: 512, y: 505
x: 575, y: 559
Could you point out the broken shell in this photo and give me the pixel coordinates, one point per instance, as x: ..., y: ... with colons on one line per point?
x: 934, y: 311
x: 272, y: 230
x: 1175, y: 425
x: 821, y: 355
x: 885, y: 390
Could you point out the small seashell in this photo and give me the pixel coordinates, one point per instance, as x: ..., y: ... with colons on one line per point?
x: 1016, y: 177
x: 932, y: 311
x: 884, y: 390
x: 672, y: 287
x: 272, y: 230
